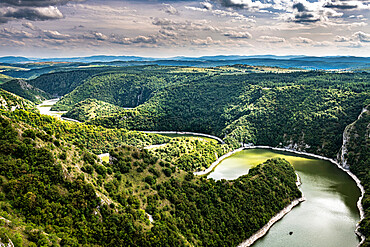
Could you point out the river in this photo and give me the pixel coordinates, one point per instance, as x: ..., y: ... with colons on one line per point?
x: 329, y: 215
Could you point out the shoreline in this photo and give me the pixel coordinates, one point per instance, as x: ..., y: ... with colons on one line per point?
x: 263, y: 231
x: 353, y: 176
x: 214, y: 164
x: 260, y: 233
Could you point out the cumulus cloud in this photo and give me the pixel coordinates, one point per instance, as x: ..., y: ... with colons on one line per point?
x: 248, y: 4
x: 361, y: 36
x: 55, y: 34
x: 183, y: 25
x: 34, y: 10
x: 141, y: 39
x: 14, y: 33
x: 204, y: 42
x: 271, y: 39
x: 238, y: 35
x: 35, y: 3
x: 33, y: 14
x: 354, y: 38
x: 96, y: 35
x: 302, y: 40
x: 169, y: 9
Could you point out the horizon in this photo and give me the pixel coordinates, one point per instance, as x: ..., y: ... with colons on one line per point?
x: 179, y: 56
x: 192, y: 28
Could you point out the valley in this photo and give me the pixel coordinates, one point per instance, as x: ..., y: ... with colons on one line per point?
x: 124, y: 110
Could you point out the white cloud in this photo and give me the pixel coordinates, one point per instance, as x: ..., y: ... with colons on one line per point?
x: 271, y: 39
x: 169, y: 9
x: 238, y: 35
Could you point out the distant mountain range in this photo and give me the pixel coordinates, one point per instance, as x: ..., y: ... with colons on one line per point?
x: 307, y: 62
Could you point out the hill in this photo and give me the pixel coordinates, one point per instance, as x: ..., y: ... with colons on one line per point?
x: 25, y: 90
x: 10, y: 102
x: 55, y: 192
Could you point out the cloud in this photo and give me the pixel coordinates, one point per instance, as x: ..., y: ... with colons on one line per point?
x: 96, y: 36
x: 206, y: 5
x: 223, y: 13
x: 137, y: 40
x: 339, y: 38
x: 302, y: 40
x: 354, y: 38
x: 55, y: 34
x: 35, y: 3
x: 167, y: 33
x: 271, y: 39
x: 238, y: 35
x: 361, y: 36
x: 29, y: 25
x: 14, y: 33
x: 299, y: 7
x: 243, y: 4
x: 183, y: 25
x: 204, y: 42
x: 169, y: 9
x: 32, y: 14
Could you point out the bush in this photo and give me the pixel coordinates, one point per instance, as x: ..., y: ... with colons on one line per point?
x: 150, y: 180
x: 88, y: 169
x: 29, y: 133
x: 167, y: 172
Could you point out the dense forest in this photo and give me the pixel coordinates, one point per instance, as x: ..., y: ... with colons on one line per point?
x: 24, y: 89
x: 53, y: 192
x: 301, y: 110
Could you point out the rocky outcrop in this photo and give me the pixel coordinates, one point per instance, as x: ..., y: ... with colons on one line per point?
x: 350, y: 130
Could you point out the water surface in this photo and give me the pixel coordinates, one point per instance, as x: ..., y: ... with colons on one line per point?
x: 329, y: 215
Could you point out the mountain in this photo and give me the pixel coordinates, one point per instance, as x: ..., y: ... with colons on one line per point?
x: 329, y: 62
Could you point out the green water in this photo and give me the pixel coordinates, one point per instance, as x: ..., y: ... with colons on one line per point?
x: 329, y: 215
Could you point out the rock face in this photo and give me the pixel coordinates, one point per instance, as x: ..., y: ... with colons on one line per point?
x: 354, y: 134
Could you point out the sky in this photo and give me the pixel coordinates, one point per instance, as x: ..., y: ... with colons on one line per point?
x: 154, y: 28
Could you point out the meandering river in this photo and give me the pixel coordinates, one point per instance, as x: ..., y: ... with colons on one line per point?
x: 329, y: 215
x: 327, y: 218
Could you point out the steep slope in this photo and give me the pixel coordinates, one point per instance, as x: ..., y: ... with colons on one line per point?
x: 61, y: 83
x: 128, y: 88
x: 25, y: 90
x: 355, y: 154
x: 10, y: 102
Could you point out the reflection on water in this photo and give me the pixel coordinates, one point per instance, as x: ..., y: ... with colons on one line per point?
x: 329, y: 215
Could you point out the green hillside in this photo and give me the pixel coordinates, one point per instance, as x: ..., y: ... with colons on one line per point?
x: 55, y: 192
x: 92, y: 108
x: 9, y: 102
x: 24, y: 89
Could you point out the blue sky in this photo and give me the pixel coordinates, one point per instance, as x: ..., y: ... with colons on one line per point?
x: 59, y: 28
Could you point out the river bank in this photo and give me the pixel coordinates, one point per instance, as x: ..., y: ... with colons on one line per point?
x: 265, y: 229
x: 353, y: 176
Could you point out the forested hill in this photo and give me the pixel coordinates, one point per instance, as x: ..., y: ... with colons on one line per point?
x: 25, y: 90
x: 55, y: 192
x: 10, y: 102
x: 266, y: 109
